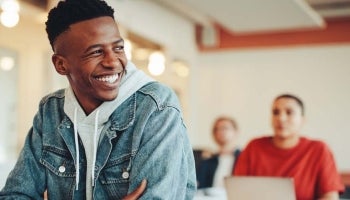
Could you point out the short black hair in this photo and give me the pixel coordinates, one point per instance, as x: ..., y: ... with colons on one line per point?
x: 69, y: 12
x: 294, y: 97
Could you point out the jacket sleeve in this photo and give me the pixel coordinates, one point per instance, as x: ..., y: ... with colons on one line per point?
x: 27, y: 179
x: 165, y: 158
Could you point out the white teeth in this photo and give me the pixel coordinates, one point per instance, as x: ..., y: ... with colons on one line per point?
x: 109, y: 79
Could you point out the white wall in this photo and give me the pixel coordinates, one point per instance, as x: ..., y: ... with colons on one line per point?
x: 8, y: 105
x: 151, y: 21
x: 28, y: 39
x: 243, y: 83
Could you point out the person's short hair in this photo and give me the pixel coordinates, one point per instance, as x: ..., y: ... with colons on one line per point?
x: 225, y: 118
x: 291, y: 96
x: 69, y: 12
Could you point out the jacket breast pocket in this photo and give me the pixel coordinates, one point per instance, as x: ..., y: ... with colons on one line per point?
x: 115, y: 176
x: 58, y: 161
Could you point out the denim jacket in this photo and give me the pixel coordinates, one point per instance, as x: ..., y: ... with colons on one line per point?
x: 145, y: 138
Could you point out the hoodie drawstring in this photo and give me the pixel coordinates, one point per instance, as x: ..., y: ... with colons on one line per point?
x: 96, y: 134
x: 95, y: 148
x: 76, y: 148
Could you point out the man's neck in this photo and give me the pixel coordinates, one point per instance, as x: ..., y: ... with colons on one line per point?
x: 286, y: 143
x: 227, y: 149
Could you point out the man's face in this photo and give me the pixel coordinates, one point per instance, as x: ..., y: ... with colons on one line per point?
x: 224, y: 132
x: 287, y: 118
x: 91, y: 54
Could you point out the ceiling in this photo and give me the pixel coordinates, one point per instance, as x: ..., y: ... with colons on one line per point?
x: 253, y: 16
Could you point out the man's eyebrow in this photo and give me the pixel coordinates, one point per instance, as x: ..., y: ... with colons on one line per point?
x: 119, y: 41
x: 99, y: 45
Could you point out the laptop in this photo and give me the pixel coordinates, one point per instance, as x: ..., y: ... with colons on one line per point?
x: 258, y: 187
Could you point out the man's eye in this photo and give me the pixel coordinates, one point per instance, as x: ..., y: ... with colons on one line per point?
x: 119, y: 48
x: 290, y: 112
x: 96, y: 52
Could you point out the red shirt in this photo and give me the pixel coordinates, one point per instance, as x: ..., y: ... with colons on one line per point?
x: 310, y: 163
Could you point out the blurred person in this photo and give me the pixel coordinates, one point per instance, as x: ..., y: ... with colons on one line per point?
x: 111, y: 129
x: 212, y: 169
x: 288, y: 154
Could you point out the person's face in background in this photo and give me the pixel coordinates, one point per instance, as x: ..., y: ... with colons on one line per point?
x: 287, y: 118
x: 91, y: 54
x: 224, y: 132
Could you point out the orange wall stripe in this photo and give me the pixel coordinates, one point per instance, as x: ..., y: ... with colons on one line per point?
x: 336, y: 31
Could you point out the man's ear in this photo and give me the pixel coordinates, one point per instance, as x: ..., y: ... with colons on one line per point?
x: 60, y: 64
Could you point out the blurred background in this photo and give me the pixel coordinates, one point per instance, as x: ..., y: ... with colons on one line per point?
x: 223, y: 57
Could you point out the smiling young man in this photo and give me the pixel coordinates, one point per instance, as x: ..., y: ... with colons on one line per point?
x: 287, y: 154
x: 111, y: 129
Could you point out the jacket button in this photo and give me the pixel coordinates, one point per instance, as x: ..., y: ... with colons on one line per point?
x: 62, y: 169
x: 125, y: 175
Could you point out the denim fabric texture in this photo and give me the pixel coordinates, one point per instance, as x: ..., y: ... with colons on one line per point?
x: 145, y: 138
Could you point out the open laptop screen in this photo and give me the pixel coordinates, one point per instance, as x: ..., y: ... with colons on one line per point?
x: 258, y: 187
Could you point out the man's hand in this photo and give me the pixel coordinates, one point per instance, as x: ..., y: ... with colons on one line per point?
x: 137, y: 192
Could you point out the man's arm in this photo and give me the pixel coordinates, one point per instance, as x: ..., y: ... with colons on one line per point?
x: 329, y: 181
x: 165, y: 158
x: 136, y: 194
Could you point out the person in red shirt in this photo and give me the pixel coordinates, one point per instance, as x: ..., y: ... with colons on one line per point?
x: 287, y: 154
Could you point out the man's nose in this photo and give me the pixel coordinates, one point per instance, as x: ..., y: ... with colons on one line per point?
x: 282, y: 117
x: 110, y: 60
